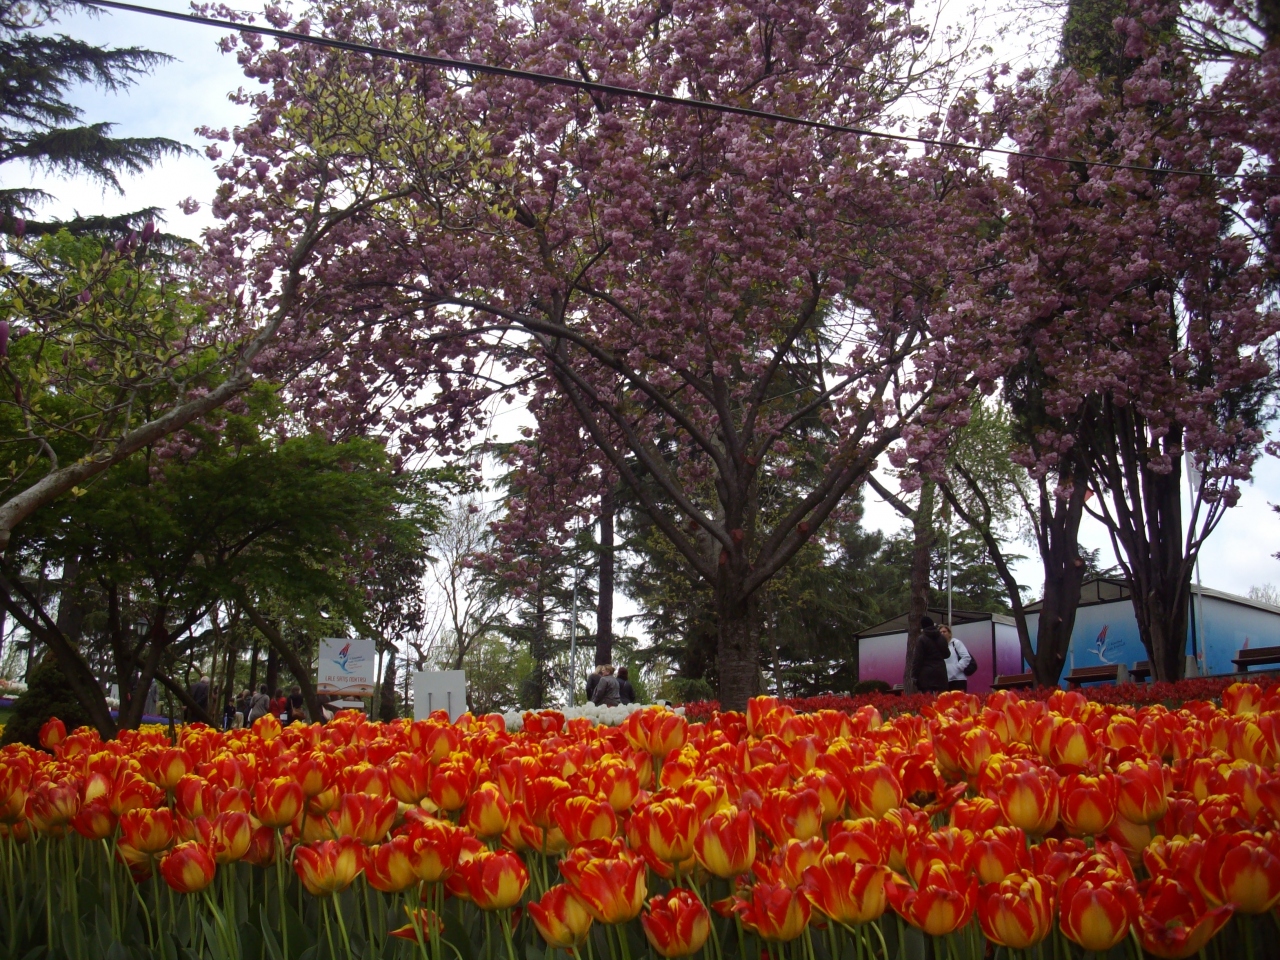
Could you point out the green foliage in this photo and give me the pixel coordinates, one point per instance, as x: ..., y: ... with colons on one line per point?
x: 47, y: 696
x: 39, y: 126
x: 497, y: 675
x: 686, y: 690
x: 975, y: 585
x: 1090, y: 44
x: 236, y: 513
x: 100, y: 341
x: 540, y: 579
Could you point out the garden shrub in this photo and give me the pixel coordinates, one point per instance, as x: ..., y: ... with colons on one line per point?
x: 48, y: 695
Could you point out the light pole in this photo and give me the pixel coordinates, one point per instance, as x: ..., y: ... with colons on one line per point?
x: 1197, y: 611
x: 946, y: 514
x: 573, y: 640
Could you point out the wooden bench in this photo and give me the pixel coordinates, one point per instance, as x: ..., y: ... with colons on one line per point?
x: 1140, y: 671
x: 1014, y: 681
x: 1093, y: 675
x: 1258, y: 656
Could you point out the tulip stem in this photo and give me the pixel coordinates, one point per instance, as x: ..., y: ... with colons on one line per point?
x: 220, y: 924
x: 11, y: 924
x: 374, y: 938
x: 72, y: 896
x: 504, y: 921
x: 159, y: 914
x: 48, y: 896
x: 229, y: 894
x: 1137, y: 944
x: 418, y: 934
x: 111, y: 893
x: 328, y: 929
x: 808, y: 944
x: 342, y: 926
x: 191, y: 923
x: 284, y: 922
x: 437, y: 900
x: 1247, y: 923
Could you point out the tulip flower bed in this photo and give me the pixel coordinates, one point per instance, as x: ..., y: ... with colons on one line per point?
x: 1049, y: 828
x: 891, y: 704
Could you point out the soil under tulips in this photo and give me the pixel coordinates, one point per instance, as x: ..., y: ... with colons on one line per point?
x: 1057, y: 825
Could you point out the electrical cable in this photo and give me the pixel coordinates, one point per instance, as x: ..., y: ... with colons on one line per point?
x: 591, y: 86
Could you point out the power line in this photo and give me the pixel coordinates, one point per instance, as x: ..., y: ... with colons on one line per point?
x: 591, y: 86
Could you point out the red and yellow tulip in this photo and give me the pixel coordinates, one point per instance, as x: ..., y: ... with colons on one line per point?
x: 561, y: 918
x: 676, y: 924
x: 1017, y: 912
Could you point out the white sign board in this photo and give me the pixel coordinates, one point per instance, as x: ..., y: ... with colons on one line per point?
x: 440, y: 690
x: 346, y: 667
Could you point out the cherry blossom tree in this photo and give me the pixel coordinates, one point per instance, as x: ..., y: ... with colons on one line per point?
x: 700, y: 305
x: 1142, y: 296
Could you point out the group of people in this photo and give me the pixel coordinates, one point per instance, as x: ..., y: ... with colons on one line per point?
x: 608, y: 687
x: 249, y: 706
x: 941, y: 661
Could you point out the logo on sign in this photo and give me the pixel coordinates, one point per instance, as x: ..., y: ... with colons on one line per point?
x: 1107, y: 649
x: 346, y: 661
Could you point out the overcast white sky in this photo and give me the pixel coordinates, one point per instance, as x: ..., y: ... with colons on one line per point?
x: 193, y: 90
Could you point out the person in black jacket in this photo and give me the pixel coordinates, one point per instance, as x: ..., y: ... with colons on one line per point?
x: 929, y: 668
x: 625, y: 690
x: 592, y: 682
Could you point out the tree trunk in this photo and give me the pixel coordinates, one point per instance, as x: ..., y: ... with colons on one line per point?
x: 387, y: 705
x: 604, y: 599
x: 377, y: 687
x: 737, y: 644
x: 79, y: 677
x: 301, y: 672
x: 1163, y: 623
x: 996, y: 552
x: 1064, y: 569
x: 924, y: 537
x: 273, y: 670
x: 1057, y: 620
x: 229, y: 673
x: 1160, y: 572
x: 131, y: 717
x: 253, y: 667
x: 197, y: 712
x: 1145, y: 518
x: 71, y: 603
x: 537, y: 691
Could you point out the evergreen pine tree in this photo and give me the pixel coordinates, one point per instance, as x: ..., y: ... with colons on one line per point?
x: 40, y: 127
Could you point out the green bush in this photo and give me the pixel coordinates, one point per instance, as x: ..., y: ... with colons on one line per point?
x: 686, y: 690
x: 48, y: 695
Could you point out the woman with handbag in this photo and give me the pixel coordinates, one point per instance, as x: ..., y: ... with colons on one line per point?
x: 960, y: 663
